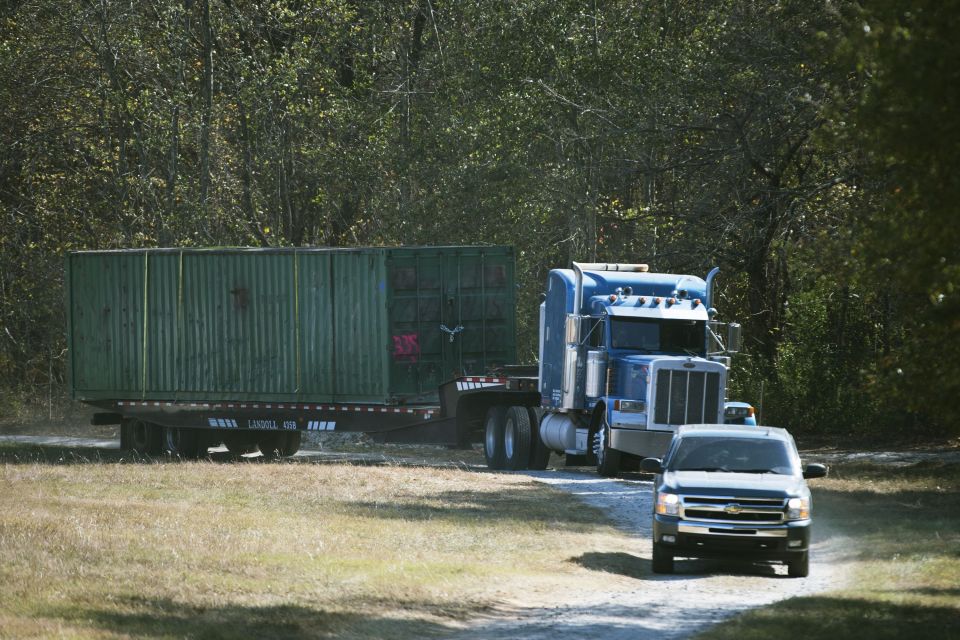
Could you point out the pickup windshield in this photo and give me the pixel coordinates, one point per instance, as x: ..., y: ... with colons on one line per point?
x: 669, y: 336
x: 733, y: 455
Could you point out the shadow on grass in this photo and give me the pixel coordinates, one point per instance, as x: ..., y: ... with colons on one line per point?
x: 164, y: 618
x: 824, y: 617
x: 531, y: 502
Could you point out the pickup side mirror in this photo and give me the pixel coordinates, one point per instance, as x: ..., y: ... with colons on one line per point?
x: 651, y: 465
x: 814, y: 471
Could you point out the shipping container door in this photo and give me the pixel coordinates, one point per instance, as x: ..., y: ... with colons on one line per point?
x: 481, y: 284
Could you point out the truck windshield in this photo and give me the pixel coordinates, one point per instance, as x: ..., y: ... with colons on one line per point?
x: 733, y: 455
x: 670, y: 336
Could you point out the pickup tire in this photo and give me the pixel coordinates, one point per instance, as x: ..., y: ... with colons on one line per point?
x: 493, y: 437
x: 516, y: 439
x: 799, y: 567
x: 662, y: 559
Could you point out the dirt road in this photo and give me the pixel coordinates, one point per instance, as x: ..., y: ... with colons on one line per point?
x: 649, y: 606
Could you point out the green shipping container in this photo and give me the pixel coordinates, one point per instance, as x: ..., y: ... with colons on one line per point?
x: 371, y: 325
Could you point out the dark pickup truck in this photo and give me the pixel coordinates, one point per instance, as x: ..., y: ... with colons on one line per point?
x: 732, y: 491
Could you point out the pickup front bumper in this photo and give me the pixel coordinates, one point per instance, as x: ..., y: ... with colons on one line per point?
x: 697, y: 539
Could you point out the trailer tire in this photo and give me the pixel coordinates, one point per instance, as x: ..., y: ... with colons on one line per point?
x: 291, y: 443
x: 539, y: 453
x: 516, y: 439
x: 181, y: 442
x: 240, y: 443
x: 493, y: 437
x: 662, y: 559
x: 608, y: 460
x: 143, y: 437
x: 279, y: 444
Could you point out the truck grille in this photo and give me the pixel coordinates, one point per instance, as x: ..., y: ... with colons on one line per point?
x: 733, y: 510
x: 687, y: 397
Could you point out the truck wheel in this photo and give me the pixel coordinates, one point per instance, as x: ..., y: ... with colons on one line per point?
x: 291, y: 443
x: 180, y: 442
x: 800, y: 566
x: 279, y: 444
x: 516, y: 439
x: 493, y: 437
x: 662, y: 559
x: 539, y: 453
x: 608, y: 460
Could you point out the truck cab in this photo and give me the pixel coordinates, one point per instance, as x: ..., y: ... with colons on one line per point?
x: 625, y: 359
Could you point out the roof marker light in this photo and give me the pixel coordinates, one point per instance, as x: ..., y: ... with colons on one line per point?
x: 613, y: 297
x: 657, y: 300
x: 643, y: 300
x: 671, y: 301
x: 696, y: 302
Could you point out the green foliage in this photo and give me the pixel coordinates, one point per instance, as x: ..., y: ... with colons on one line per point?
x: 818, y: 175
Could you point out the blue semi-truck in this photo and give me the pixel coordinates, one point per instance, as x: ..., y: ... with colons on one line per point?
x: 626, y: 356
x: 188, y: 349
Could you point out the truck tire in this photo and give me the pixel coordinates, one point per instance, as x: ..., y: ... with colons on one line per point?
x: 662, y: 559
x: 493, y: 437
x: 608, y: 460
x: 181, y: 442
x: 516, y: 439
x: 539, y: 453
x: 799, y: 567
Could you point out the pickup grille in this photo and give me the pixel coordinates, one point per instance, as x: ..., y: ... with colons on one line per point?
x: 733, y: 510
x: 687, y: 397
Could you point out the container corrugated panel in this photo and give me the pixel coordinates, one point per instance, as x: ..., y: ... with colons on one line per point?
x: 372, y: 325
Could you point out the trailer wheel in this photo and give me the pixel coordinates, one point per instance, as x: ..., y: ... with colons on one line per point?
x: 516, y: 439
x: 539, y: 453
x: 181, y: 442
x: 240, y: 443
x: 608, y: 460
x: 143, y: 437
x: 279, y: 444
x: 493, y: 437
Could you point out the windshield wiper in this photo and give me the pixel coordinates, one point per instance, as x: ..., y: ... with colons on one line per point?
x: 756, y: 471
x: 721, y: 469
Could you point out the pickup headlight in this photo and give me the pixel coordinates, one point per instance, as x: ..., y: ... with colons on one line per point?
x: 668, y: 504
x: 798, y: 509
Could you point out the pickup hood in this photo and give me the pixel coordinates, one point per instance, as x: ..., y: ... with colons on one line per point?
x: 742, y: 485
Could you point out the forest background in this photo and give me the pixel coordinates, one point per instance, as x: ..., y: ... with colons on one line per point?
x: 809, y: 148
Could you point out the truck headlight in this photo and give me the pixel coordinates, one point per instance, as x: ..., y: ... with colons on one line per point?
x: 798, y: 509
x: 668, y: 504
x: 632, y: 406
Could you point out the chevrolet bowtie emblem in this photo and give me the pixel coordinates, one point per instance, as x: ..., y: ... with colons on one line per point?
x: 733, y: 509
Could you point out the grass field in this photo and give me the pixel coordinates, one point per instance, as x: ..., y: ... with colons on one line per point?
x: 901, y: 527
x: 106, y: 548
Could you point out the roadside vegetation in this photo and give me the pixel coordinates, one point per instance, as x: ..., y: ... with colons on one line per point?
x: 106, y: 547
x: 899, y: 530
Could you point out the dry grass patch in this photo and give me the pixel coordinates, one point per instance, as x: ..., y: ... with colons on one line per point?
x: 104, y: 548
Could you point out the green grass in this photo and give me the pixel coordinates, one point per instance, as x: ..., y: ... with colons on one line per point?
x: 898, y: 529
x: 104, y: 547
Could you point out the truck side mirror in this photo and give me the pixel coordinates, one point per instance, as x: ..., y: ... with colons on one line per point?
x: 733, y: 337
x: 815, y: 471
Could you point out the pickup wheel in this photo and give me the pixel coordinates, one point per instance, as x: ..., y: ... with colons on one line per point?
x: 516, y: 439
x: 493, y: 437
x: 799, y: 567
x: 608, y: 460
x: 539, y: 453
x: 662, y: 559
